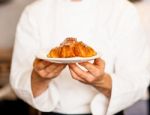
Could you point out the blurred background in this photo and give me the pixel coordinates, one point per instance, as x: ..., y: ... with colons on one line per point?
x: 10, y: 11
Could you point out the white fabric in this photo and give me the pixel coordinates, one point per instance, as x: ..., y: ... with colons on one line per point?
x: 111, y: 27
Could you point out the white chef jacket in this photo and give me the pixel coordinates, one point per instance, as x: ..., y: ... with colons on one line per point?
x: 111, y: 27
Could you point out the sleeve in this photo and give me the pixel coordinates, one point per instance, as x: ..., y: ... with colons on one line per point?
x: 131, y: 75
x: 25, y: 48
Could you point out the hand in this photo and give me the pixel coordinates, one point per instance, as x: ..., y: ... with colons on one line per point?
x: 95, y: 75
x: 47, y: 70
x: 43, y: 72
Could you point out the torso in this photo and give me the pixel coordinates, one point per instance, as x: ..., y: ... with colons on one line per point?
x: 83, y: 22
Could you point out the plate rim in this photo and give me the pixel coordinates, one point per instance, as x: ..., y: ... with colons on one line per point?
x: 43, y: 56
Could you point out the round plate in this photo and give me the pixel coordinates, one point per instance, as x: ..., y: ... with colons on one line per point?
x: 43, y: 55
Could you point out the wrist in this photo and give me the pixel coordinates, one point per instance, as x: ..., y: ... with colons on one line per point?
x: 104, y: 85
x: 38, y: 83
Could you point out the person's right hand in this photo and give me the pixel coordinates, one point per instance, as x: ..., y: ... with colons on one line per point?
x: 47, y: 69
x: 43, y: 72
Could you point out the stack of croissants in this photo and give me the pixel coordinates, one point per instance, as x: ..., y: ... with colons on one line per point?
x: 70, y: 47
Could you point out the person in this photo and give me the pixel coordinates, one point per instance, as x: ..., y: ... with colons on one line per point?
x: 107, y: 85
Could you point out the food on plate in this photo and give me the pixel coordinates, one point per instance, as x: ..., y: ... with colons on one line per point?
x: 70, y: 47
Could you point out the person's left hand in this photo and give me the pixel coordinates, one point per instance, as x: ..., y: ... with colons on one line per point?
x: 95, y: 75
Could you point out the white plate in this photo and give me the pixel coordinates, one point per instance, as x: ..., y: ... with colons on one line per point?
x: 43, y: 55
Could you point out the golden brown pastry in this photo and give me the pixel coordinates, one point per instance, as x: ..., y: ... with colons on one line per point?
x: 67, y: 51
x: 70, y: 47
x: 82, y: 50
x: 55, y: 52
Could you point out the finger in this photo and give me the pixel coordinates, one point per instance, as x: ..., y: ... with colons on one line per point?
x: 76, y: 68
x: 42, y: 73
x: 99, y: 63
x: 90, y: 67
x: 40, y: 64
x: 76, y: 77
x: 51, y: 67
x: 61, y: 67
x: 82, y: 74
x: 56, y: 71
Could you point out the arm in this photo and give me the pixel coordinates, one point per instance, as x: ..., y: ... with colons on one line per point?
x: 26, y: 46
x: 131, y: 76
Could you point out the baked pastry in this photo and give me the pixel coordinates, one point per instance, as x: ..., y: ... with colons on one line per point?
x: 70, y: 47
x: 82, y: 50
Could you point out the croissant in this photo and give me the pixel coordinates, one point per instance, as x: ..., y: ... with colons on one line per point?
x: 70, y: 47
x: 82, y: 50
x: 55, y: 52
